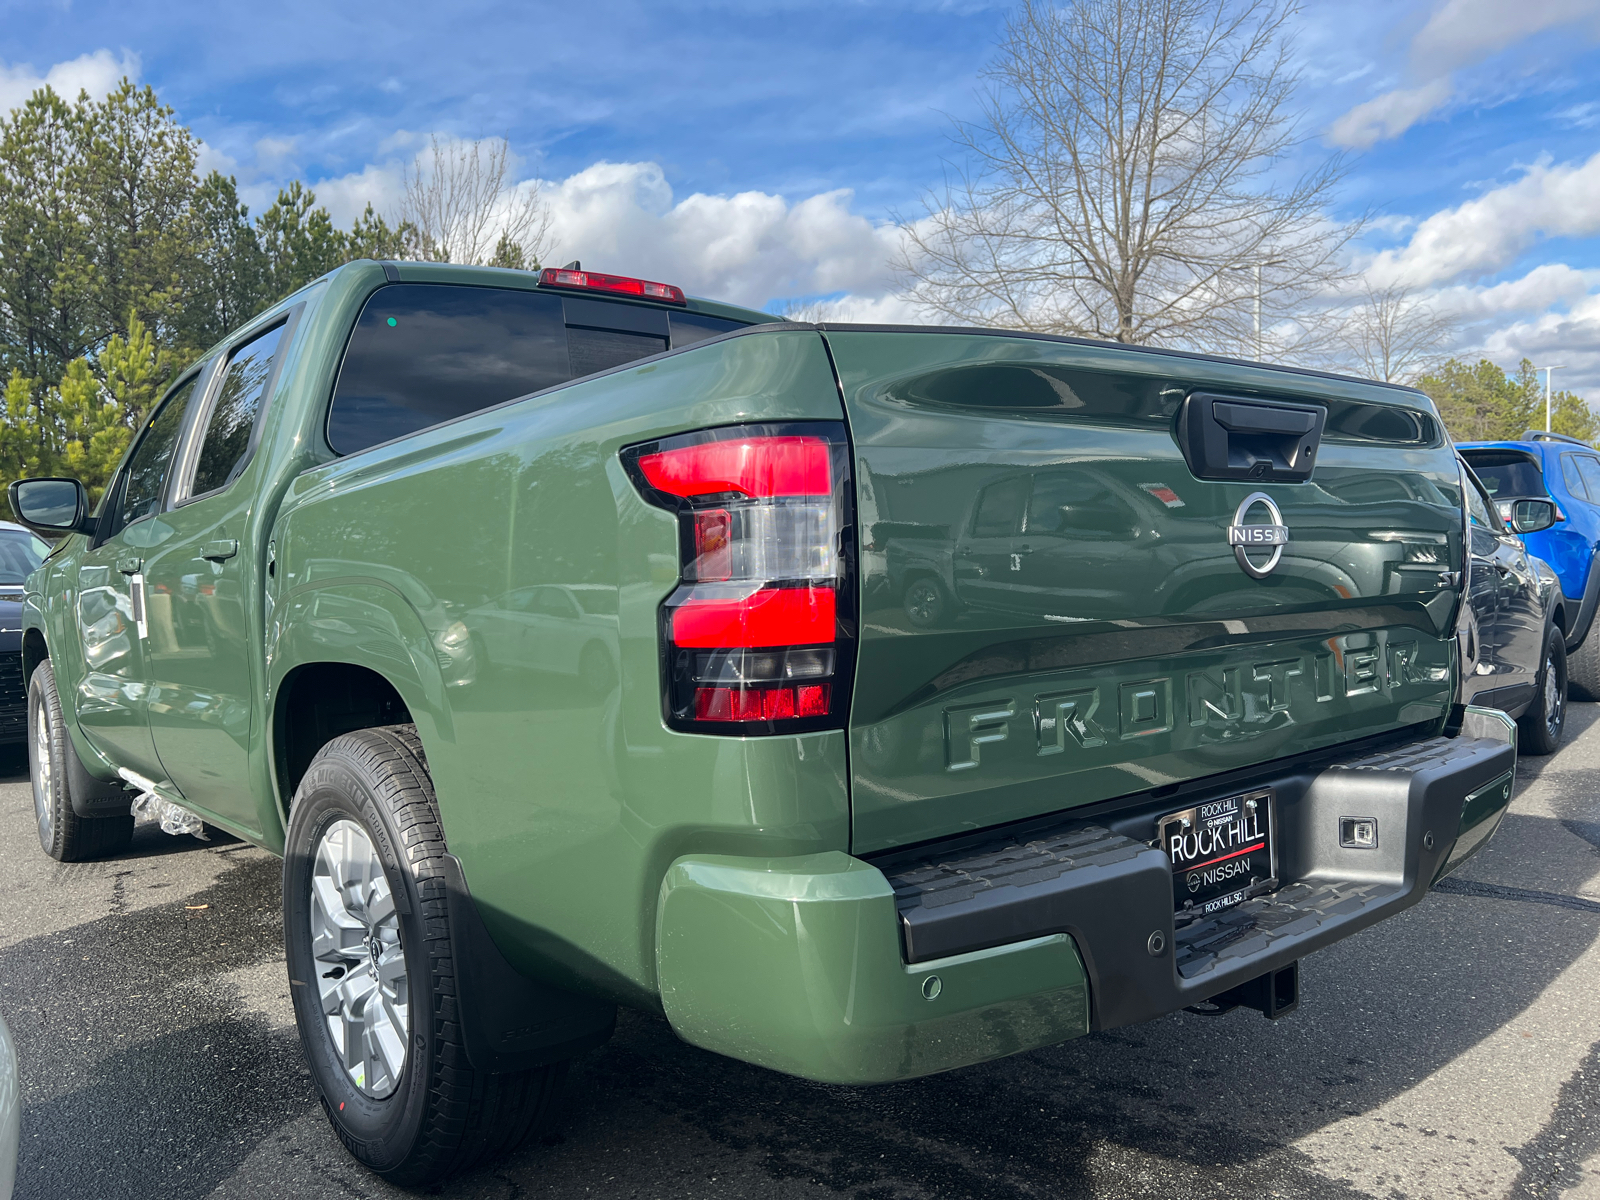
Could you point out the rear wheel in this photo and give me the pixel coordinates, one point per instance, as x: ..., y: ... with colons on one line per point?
x: 366, y: 927
x: 64, y: 835
x: 1542, y: 725
x: 924, y: 602
x: 596, y: 675
x: 1583, y: 668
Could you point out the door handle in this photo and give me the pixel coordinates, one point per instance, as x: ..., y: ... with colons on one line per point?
x: 220, y: 550
x: 130, y: 564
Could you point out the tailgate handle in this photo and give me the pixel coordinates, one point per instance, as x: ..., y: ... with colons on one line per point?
x: 220, y: 550
x: 1258, y: 418
x: 1228, y: 437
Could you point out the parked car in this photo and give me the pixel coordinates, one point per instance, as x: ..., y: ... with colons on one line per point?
x: 10, y: 1112
x: 1566, y: 470
x: 21, y: 552
x: 1517, y: 617
x: 818, y: 828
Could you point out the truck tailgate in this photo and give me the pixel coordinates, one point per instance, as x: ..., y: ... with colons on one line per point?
x: 1052, y: 613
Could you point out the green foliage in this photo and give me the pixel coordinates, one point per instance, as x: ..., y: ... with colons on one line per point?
x: 1482, y: 403
x: 118, y: 265
x: 21, y: 453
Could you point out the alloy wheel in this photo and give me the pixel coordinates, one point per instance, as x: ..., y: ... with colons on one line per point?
x: 361, y: 965
x: 1555, y: 699
x: 43, y: 775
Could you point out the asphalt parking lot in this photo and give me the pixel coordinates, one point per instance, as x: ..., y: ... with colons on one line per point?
x: 1449, y: 1052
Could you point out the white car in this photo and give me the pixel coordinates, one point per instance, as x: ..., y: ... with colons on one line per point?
x: 566, y: 629
x: 10, y: 1113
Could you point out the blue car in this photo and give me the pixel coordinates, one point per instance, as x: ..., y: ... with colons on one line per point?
x: 1567, y: 471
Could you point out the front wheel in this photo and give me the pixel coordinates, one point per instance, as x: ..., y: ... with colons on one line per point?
x: 64, y: 835
x: 1542, y: 725
x: 366, y: 921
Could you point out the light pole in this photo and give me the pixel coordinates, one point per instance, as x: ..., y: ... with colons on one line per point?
x: 1266, y: 262
x: 1548, y: 372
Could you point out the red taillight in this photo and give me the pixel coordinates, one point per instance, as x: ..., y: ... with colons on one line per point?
x: 622, y: 285
x: 758, y: 635
x: 770, y: 617
x: 754, y: 467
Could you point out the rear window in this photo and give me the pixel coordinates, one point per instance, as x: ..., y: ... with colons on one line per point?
x: 423, y: 353
x: 1504, y: 476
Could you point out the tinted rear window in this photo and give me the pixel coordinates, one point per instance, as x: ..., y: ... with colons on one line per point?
x: 1504, y: 476
x: 423, y: 353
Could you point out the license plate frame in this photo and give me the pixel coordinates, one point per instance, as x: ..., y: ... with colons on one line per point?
x: 1222, y: 851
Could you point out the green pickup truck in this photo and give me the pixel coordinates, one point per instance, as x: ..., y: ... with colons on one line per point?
x: 868, y: 701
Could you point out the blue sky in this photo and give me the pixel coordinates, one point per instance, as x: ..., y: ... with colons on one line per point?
x: 759, y: 152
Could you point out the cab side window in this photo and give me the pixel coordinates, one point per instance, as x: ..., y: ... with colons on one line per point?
x: 142, y: 487
x: 226, y: 445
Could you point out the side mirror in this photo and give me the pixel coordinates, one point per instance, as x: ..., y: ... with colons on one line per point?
x: 1530, y: 516
x: 52, y: 507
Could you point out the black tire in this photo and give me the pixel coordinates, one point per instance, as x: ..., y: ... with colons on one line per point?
x: 1541, y: 726
x: 64, y: 835
x: 443, y: 1117
x: 925, y: 603
x: 1583, y: 668
x: 596, y: 675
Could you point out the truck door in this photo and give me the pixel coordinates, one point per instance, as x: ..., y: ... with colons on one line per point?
x: 990, y: 552
x: 112, y: 613
x: 1079, y: 530
x: 199, y: 652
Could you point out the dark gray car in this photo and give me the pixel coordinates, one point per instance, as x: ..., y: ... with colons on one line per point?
x: 1513, y: 641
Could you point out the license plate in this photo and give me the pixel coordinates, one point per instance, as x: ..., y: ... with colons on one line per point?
x: 1221, y: 851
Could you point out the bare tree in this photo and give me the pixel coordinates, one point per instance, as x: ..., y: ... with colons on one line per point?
x: 465, y: 210
x: 1125, y: 181
x: 1395, y: 336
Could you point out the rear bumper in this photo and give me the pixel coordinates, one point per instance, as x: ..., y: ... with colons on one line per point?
x: 844, y: 971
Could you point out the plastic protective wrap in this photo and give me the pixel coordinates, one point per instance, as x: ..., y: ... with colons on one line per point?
x: 149, y: 808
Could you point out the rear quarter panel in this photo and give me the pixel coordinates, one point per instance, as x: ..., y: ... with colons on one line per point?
x: 565, y: 807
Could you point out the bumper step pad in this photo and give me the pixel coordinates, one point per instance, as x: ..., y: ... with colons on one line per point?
x: 1251, y: 928
x: 1430, y: 802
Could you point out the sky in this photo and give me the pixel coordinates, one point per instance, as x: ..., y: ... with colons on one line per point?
x: 762, y: 154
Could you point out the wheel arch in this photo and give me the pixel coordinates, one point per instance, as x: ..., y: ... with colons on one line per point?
x: 34, y: 651
x: 348, y: 657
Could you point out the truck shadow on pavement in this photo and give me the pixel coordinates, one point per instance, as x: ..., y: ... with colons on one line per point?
x: 157, y: 1062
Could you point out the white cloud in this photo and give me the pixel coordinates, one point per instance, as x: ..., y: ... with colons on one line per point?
x: 749, y: 248
x: 746, y: 249
x: 1460, y: 33
x: 96, y: 73
x: 1388, y: 115
x: 1488, y: 233
x: 1540, y: 290
x: 346, y: 196
x: 1571, y: 338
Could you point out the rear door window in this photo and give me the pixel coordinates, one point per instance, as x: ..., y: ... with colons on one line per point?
x: 1589, y: 468
x: 1000, y: 508
x: 233, y: 417
x: 423, y: 353
x: 1569, y: 472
